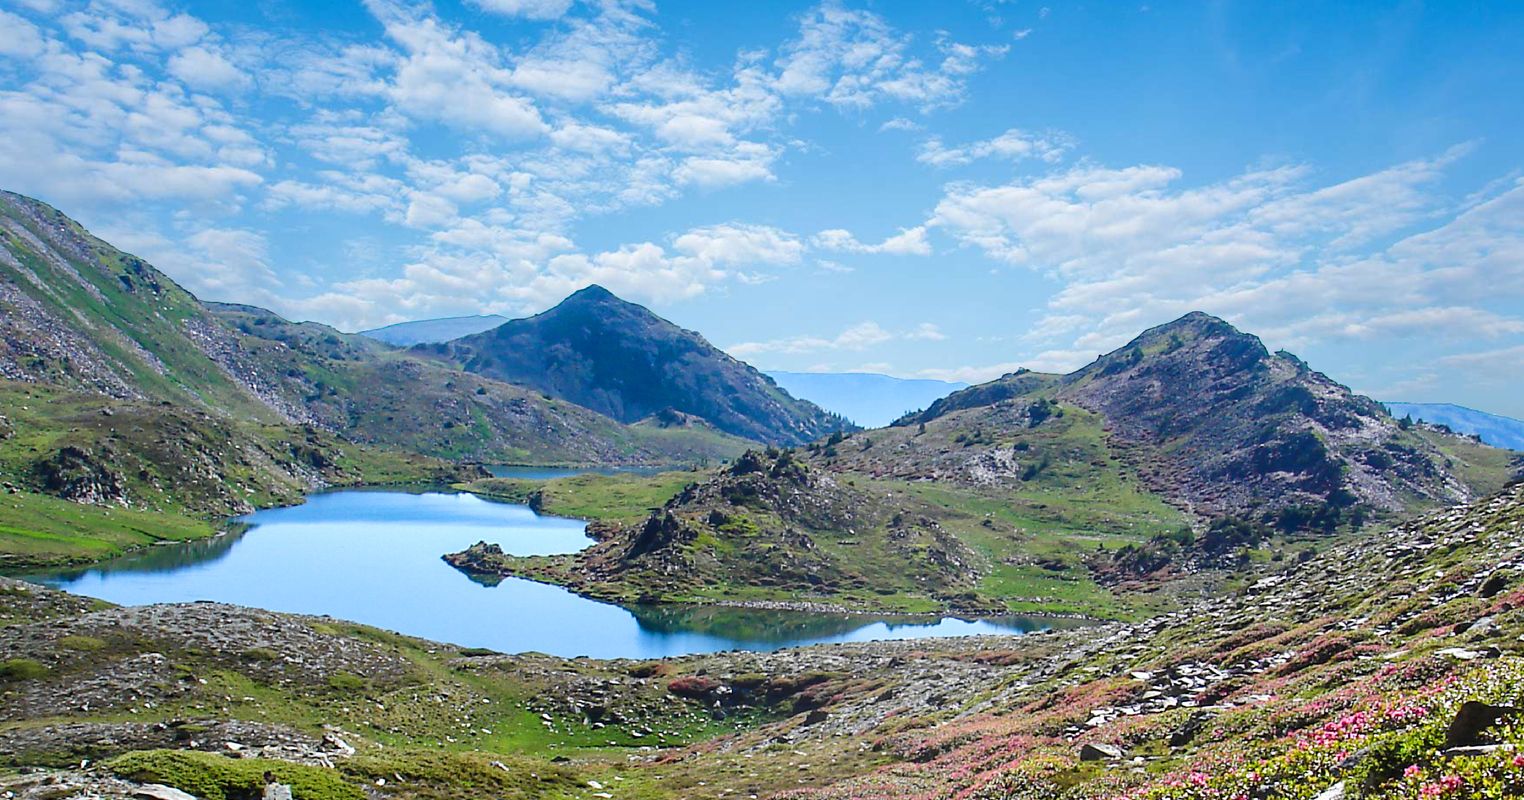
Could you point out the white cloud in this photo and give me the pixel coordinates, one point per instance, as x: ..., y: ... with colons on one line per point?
x: 926, y: 332
x: 453, y: 77
x: 206, y: 69
x: 1013, y: 145
x: 715, y: 173
x: 970, y: 374
x: 1266, y: 249
x: 857, y: 337
x: 529, y: 9
x: 909, y: 241
x: 738, y: 243
x: 852, y: 58
x: 356, y: 146
x: 18, y: 37
x: 1503, y: 365
x: 472, y: 267
x: 862, y: 336
x: 143, y: 27
x: 348, y: 193
x: 215, y: 263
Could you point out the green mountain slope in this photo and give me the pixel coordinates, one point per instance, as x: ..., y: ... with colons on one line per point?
x: 379, y: 395
x: 116, y: 460
x: 1207, y: 417
x: 77, y: 312
x: 619, y: 359
x: 82, y: 315
x: 1093, y: 493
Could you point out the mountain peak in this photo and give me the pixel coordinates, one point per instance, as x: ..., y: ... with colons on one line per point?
x: 624, y: 361
x: 1198, y: 323
x: 592, y: 293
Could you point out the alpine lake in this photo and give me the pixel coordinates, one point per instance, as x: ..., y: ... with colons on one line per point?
x: 374, y: 556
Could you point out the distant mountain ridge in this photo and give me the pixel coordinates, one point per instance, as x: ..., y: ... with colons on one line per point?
x: 1494, y: 429
x: 431, y: 331
x: 867, y: 398
x: 620, y: 359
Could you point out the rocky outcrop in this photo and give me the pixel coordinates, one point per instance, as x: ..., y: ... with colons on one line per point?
x: 767, y: 521
x: 77, y: 474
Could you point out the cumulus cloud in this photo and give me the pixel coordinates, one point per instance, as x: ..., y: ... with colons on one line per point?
x: 1268, y: 248
x: 529, y: 9
x: 862, y: 336
x: 1013, y: 145
x: 453, y: 76
x: 18, y: 37
x: 206, y: 69
x: 471, y: 266
x: 853, y: 58
x: 215, y: 263
x: 909, y: 241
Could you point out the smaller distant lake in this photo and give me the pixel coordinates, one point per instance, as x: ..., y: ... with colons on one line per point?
x: 551, y: 473
x: 374, y: 557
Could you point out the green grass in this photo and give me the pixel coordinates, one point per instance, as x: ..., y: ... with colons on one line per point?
x: 210, y: 776
x: 623, y: 497
x: 1031, y: 538
x: 1486, y: 469
x: 38, y: 530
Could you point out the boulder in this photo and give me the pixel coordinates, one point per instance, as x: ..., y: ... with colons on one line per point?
x: 1472, y: 720
x: 1096, y: 751
x: 1334, y: 792
x: 158, y: 791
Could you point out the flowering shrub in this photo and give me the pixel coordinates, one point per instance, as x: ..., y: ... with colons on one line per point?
x: 692, y: 686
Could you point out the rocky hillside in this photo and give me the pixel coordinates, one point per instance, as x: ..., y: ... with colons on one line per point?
x: 151, y: 456
x: 1385, y: 666
x: 769, y: 528
x: 1208, y: 417
x: 1154, y: 473
x: 378, y: 395
x: 78, y: 313
x: 82, y: 315
x: 621, y: 360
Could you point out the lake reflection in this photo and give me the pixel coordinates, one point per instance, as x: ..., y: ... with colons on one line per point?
x: 374, y: 557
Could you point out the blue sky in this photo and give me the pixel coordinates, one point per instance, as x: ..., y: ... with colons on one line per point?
x: 949, y: 189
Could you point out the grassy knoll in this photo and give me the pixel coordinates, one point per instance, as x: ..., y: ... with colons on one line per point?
x: 624, y: 497
x: 38, y: 530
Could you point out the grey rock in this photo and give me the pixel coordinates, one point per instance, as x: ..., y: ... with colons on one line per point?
x: 1334, y: 792
x: 1097, y: 751
x: 158, y: 791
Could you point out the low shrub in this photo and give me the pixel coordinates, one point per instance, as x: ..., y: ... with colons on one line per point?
x: 210, y: 776
x: 22, y: 669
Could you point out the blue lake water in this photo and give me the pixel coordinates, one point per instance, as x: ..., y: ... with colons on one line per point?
x: 374, y: 557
